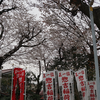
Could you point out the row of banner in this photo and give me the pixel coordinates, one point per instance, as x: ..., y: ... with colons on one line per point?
x: 18, y: 79
x: 60, y: 85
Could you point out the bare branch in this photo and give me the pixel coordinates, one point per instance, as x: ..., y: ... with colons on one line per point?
x: 7, y: 10
x: 62, y: 6
x: 11, y: 52
x: 1, y: 2
x: 98, y: 48
x: 91, y: 3
x: 2, y: 30
x: 28, y: 28
x: 29, y: 39
x: 33, y: 45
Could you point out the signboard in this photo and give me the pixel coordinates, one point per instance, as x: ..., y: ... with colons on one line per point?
x: 50, y: 85
x: 21, y: 80
x: 65, y: 79
x: 92, y: 90
x: 65, y: 84
x: 81, y: 83
x: 16, y: 70
x: 19, y: 75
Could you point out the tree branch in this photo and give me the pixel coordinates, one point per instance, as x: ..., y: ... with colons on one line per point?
x: 1, y: 2
x: 2, y: 30
x: 7, y: 10
x: 11, y: 52
x: 98, y: 48
x: 29, y: 39
x: 62, y: 6
x: 33, y: 45
x: 84, y: 8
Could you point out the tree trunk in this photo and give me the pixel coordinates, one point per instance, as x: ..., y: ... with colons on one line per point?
x: 1, y: 62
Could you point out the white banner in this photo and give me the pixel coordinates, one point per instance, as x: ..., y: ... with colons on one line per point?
x: 50, y: 85
x: 65, y: 79
x: 81, y: 83
x: 92, y: 90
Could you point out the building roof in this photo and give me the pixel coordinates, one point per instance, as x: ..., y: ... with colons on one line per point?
x: 6, y: 71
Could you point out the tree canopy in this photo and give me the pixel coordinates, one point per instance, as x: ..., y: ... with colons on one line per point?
x: 69, y: 29
x: 18, y: 30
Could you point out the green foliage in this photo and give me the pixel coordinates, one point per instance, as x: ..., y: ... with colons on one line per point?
x: 34, y: 86
x: 5, y: 87
x: 71, y: 59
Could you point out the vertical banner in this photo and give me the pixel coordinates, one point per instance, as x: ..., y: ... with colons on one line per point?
x: 15, y: 78
x: 21, y: 80
x: 16, y: 70
x: 81, y: 83
x: 65, y: 79
x: 50, y: 85
x: 44, y: 86
x: 92, y: 90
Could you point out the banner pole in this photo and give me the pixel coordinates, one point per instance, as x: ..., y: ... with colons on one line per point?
x: 0, y: 78
x: 72, y: 85
x: 12, y: 83
x: 95, y: 50
x: 86, y: 89
x: 25, y: 82
x: 56, y: 83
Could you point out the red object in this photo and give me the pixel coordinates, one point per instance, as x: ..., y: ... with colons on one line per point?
x: 68, y: 73
x: 91, y: 91
x: 81, y: 78
x: 83, y: 94
x: 48, y: 80
x: 65, y: 85
x: 82, y: 72
x: 64, y: 79
x: 76, y: 74
x: 50, y: 98
x: 60, y: 75
x: 49, y: 86
x: 92, y: 99
x: 50, y: 92
x: 44, y: 76
x: 66, y: 91
x: 83, y: 88
x: 52, y: 74
x: 67, y: 97
x: 82, y: 83
x: 15, y: 78
x: 91, y: 86
x: 21, y: 80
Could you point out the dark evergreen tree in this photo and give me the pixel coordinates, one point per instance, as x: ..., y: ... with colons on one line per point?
x: 72, y: 59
